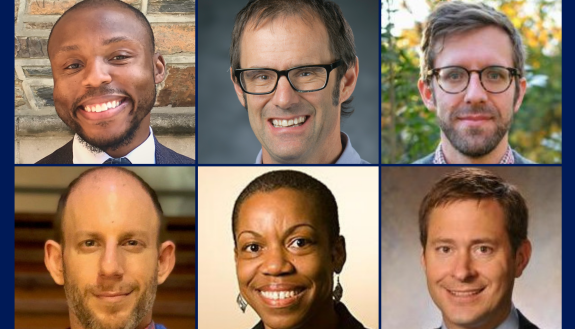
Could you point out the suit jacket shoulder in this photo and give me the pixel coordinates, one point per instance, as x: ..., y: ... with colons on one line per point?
x: 519, y: 159
x: 425, y: 160
x: 62, y: 155
x: 524, y: 323
x: 165, y: 155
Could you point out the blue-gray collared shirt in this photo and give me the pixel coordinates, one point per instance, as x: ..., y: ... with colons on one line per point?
x: 348, y: 156
x: 512, y: 321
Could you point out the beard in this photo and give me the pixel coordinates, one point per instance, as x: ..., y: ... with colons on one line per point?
x: 474, y: 142
x: 78, y: 304
x: 110, y: 143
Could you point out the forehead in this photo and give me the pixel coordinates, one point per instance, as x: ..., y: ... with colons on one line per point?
x: 97, y: 24
x: 284, y: 42
x: 109, y: 202
x: 467, y: 219
x: 279, y: 210
x: 475, y: 49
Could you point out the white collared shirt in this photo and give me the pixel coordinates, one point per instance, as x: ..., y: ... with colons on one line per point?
x: 145, y: 153
x: 511, y: 322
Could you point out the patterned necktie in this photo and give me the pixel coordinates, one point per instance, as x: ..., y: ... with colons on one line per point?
x: 116, y: 161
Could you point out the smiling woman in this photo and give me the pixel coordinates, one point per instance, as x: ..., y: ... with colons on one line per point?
x: 288, y: 251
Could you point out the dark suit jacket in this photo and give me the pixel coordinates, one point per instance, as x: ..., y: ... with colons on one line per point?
x: 519, y: 159
x: 523, y: 322
x: 164, y: 155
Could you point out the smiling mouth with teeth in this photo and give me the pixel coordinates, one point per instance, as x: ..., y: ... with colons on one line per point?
x: 466, y: 293
x: 102, y: 107
x: 279, y: 295
x: 289, y: 123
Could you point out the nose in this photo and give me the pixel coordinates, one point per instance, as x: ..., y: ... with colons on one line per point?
x: 111, y: 262
x: 276, y: 262
x: 463, y: 269
x: 96, y: 73
x: 475, y: 93
x: 284, y: 96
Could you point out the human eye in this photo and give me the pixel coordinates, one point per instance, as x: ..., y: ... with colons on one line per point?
x: 494, y: 74
x: 119, y: 57
x: 88, y: 245
x: 443, y: 250
x: 252, y: 248
x: 133, y: 245
x: 299, y: 243
x: 72, y: 66
x: 454, y: 75
x: 484, y: 250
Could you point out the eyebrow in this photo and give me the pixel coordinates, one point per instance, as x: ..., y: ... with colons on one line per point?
x: 288, y: 231
x: 472, y: 242
x: 104, y: 43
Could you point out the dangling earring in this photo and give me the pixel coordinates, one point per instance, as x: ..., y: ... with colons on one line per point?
x: 241, y: 303
x: 338, y: 291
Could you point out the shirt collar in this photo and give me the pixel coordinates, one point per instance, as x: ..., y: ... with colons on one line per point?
x: 348, y: 156
x: 439, y: 157
x: 511, y: 322
x: 145, y: 153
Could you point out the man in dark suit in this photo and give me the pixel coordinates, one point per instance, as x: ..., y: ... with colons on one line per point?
x: 105, y: 73
x: 473, y: 230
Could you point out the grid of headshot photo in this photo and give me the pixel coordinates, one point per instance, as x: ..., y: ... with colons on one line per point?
x: 287, y: 164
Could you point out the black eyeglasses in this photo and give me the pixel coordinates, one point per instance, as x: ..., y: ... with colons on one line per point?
x: 455, y: 79
x: 303, y: 79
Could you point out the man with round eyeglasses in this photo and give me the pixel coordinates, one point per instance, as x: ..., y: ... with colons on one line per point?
x: 473, y: 78
x: 294, y: 68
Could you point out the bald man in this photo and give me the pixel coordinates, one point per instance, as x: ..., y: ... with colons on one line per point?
x: 109, y: 254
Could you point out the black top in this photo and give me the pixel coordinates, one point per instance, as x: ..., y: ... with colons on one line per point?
x: 345, y: 319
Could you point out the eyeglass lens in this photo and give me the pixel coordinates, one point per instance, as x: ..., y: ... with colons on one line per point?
x: 303, y: 78
x: 455, y: 79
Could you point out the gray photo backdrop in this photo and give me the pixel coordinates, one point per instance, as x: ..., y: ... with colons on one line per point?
x: 405, y: 301
x: 223, y: 130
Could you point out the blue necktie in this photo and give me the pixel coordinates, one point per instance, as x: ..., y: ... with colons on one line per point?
x: 116, y: 161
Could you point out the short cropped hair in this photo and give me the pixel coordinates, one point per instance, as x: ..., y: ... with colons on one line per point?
x: 59, y: 218
x: 100, y: 3
x: 477, y: 184
x: 341, y: 40
x: 453, y: 17
x: 291, y: 179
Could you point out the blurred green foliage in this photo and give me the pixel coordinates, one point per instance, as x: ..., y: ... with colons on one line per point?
x: 409, y: 130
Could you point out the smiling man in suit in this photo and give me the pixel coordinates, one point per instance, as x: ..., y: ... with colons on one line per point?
x: 105, y: 73
x: 473, y: 230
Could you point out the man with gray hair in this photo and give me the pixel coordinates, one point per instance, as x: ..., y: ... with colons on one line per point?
x: 474, y: 111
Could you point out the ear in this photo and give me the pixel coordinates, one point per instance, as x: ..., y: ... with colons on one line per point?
x: 348, y: 82
x: 426, y: 92
x: 422, y: 260
x: 339, y: 254
x: 53, y: 261
x: 159, y: 68
x: 166, y: 261
x: 237, y: 87
x: 522, y: 90
x: 522, y: 257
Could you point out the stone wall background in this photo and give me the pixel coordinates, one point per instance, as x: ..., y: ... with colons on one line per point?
x: 37, y: 128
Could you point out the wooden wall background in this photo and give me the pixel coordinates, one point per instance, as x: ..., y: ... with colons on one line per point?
x: 41, y: 304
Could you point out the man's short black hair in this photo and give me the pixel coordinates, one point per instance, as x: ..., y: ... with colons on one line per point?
x: 58, y: 220
x: 291, y: 179
x: 100, y: 3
